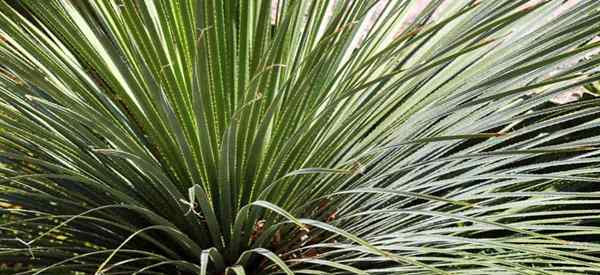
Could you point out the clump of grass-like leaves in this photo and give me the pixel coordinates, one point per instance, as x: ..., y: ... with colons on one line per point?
x: 297, y: 137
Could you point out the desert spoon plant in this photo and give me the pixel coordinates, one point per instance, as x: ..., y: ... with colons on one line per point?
x: 297, y: 137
